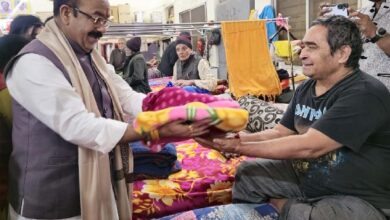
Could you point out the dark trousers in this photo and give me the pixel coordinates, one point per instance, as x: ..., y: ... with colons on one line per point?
x: 259, y: 180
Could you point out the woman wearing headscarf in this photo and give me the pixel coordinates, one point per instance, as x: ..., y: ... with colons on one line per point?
x: 28, y: 26
x: 10, y: 45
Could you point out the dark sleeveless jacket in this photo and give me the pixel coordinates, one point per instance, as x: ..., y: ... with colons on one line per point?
x: 135, y: 73
x: 188, y: 69
x: 44, y: 181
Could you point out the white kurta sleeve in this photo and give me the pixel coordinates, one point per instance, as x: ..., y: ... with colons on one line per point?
x: 208, y: 78
x: 48, y: 96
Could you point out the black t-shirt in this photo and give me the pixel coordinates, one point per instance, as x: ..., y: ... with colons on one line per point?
x: 356, y: 113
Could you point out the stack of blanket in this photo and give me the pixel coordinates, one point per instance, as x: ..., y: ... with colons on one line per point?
x: 154, y: 165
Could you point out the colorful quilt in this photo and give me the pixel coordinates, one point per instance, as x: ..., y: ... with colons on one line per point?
x: 231, y: 211
x: 225, y: 115
x: 174, y: 96
x: 157, y: 84
x: 206, y: 179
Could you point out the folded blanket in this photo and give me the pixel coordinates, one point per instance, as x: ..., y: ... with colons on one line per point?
x: 225, y: 115
x: 154, y: 165
x: 174, y: 96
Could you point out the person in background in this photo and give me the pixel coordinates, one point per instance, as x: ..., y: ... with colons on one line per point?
x: 152, y: 64
x: 28, y: 26
x: 10, y: 45
x: 135, y: 72
x: 191, y: 70
x: 328, y: 157
x: 200, y: 46
x: 374, y: 25
x: 118, y: 56
x: 69, y: 137
x: 169, y: 56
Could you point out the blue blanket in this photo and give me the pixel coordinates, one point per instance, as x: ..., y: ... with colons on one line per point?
x: 154, y: 165
x: 193, y: 89
x: 229, y: 212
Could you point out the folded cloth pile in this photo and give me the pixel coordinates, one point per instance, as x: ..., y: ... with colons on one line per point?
x: 174, y: 96
x: 264, y: 211
x: 226, y: 116
x: 154, y: 165
x: 173, y: 103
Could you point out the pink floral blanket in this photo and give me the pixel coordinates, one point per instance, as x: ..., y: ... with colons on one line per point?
x: 206, y: 179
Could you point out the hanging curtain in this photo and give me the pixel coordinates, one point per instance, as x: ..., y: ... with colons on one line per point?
x: 250, y: 67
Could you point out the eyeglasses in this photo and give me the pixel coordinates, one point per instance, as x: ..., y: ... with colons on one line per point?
x: 96, y: 20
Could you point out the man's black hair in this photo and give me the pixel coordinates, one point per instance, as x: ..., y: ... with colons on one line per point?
x: 343, y: 32
x: 58, y: 3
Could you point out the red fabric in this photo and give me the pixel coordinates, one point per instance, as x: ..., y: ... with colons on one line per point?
x: 285, y: 83
x: 2, y: 82
x: 174, y: 96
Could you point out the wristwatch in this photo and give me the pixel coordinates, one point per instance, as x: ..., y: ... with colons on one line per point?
x: 380, y: 32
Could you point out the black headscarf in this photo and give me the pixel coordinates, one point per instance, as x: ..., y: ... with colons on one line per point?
x: 10, y: 45
x: 22, y: 23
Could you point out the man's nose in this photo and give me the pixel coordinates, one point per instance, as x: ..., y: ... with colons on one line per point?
x: 302, y: 54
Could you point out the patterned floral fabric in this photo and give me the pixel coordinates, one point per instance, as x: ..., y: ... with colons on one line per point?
x: 229, y: 212
x: 174, y: 96
x: 225, y: 116
x: 206, y: 179
x: 262, y: 115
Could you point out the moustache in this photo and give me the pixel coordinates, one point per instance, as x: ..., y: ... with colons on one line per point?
x: 95, y: 34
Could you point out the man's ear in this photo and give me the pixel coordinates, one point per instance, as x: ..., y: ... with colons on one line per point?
x: 344, y: 54
x: 65, y: 14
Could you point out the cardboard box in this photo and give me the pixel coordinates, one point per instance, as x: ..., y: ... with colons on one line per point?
x: 125, y: 15
x: 114, y: 14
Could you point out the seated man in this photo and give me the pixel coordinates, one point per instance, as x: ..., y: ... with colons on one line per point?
x: 191, y: 69
x: 135, y: 71
x: 169, y: 56
x: 118, y: 56
x: 152, y: 64
x: 328, y: 155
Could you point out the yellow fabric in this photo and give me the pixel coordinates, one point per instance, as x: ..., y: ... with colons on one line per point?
x: 252, y: 15
x: 226, y: 119
x: 281, y: 48
x: 97, y: 198
x: 249, y: 62
x: 300, y: 77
